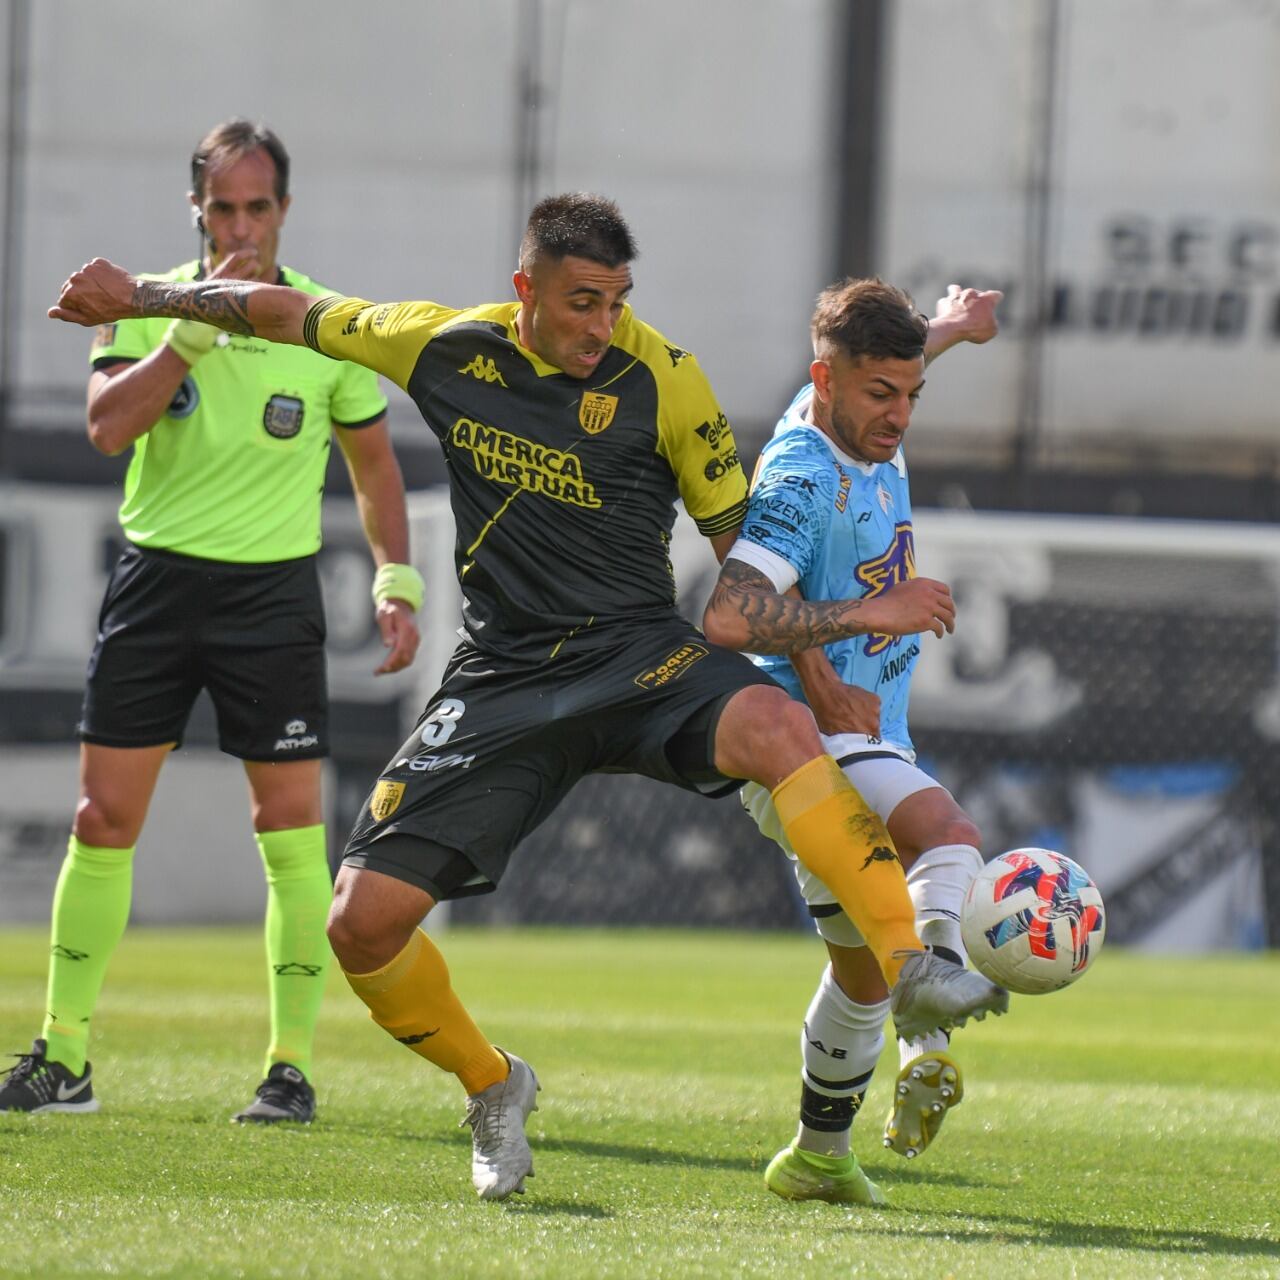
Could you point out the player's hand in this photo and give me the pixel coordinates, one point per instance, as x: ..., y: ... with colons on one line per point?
x: 844, y: 708
x: 969, y: 314
x: 99, y: 293
x: 239, y: 264
x: 399, y: 635
x: 919, y: 604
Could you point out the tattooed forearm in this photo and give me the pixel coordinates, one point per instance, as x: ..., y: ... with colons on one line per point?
x: 223, y: 304
x: 780, y: 624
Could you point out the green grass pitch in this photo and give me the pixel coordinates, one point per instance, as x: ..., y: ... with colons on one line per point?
x: 1127, y: 1127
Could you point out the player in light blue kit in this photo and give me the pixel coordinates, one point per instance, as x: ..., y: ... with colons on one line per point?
x: 830, y: 520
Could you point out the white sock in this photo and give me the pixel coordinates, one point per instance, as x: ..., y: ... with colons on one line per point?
x: 839, y: 1045
x: 931, y: 1042
x: 937, y: 882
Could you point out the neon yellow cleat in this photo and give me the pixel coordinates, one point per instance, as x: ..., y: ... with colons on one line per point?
x: 928, y: 1087
x: 794, y: 1174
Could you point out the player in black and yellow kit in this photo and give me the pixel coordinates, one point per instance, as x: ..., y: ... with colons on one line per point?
x: 569, y: 428
x: 217, y: 589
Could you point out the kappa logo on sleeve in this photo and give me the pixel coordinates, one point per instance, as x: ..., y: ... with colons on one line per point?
x: 672, y: 667
x: 485, y: 370
x: 385, y: 799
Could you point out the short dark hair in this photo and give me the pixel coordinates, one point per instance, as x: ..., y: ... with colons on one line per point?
x: 232, y: 140
x: 868, y: 318
x: 578, y: 225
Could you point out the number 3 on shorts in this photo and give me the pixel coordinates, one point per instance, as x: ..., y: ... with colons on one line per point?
x: 438, y: 727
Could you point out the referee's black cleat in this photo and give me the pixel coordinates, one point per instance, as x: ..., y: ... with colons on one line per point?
x: 36, y: 1084
x: 283, y: 1095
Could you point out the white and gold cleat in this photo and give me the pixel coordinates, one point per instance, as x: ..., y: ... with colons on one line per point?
x: 927, y: 1088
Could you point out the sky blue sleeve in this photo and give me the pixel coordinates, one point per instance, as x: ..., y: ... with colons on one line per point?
x: 789, y: 511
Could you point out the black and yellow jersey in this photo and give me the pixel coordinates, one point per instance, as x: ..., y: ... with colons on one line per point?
x: 563, y: 489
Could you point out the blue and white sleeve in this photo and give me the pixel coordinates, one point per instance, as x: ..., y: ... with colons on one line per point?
x: 786, y: 522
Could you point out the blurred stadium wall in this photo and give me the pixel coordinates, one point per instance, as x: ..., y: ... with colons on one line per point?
x: 1112, y: 690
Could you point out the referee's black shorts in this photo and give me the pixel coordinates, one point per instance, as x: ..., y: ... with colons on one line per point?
x: 252, y: 634
x: 501, y: 743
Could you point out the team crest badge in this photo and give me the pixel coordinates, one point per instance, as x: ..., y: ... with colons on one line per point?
x: 596, y: 411
x: 282, y: 417
x: 386, y: 799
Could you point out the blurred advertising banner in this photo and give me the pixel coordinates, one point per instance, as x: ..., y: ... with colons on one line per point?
x: 1125, y: 198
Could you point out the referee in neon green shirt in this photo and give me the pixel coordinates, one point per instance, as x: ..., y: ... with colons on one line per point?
x: 218, y: 590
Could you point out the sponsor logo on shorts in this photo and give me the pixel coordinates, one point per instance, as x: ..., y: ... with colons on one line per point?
x: 296, y: 742
x: 282, y: 417
x: 596, y: 411
x: 386, y: 799
x: 672, y: 667
x: 295, y: 727
x: 433, y: 764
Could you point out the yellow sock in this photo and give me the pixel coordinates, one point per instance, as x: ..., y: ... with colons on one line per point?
x: 847, y: 847
x: 413, y: 999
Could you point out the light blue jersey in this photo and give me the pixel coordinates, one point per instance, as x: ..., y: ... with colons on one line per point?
x: 841, y: 529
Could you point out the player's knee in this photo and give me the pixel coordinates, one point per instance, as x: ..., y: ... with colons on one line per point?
x: 350, y: 938
x: 768, y: 736
x: 363, y: 932
x: 104, y: 825
x: 788, y: 734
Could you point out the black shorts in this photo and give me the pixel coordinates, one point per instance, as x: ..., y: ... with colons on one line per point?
x: 501, y: 743
x: 252, y: 634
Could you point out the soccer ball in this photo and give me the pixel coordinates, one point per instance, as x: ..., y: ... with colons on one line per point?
x: 1032, y: 921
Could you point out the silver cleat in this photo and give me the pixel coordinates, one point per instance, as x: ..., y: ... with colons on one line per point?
x: 500, y: 1155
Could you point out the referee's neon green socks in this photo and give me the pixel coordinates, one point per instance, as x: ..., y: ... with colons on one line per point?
x: 299, y: 890
x: 90, y: 911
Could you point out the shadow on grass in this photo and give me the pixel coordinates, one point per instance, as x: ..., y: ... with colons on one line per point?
x: 685, y: 1159
x: 1011, y: 1229
x: 565, y: 1208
